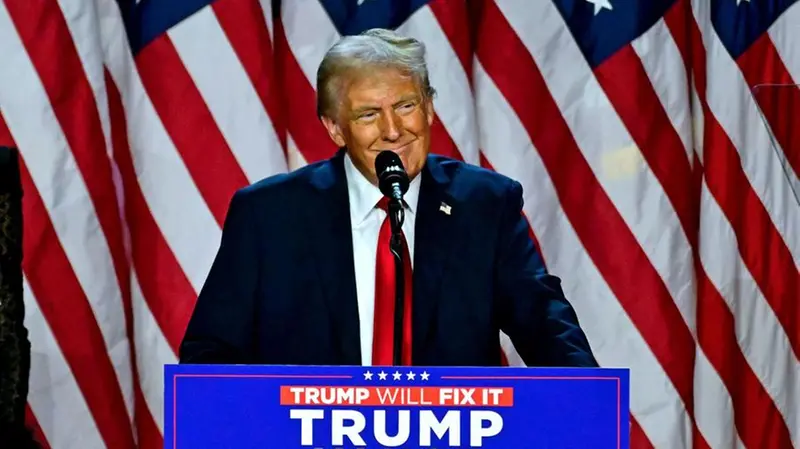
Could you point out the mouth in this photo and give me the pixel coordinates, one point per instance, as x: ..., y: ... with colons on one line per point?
x: 398, y: 150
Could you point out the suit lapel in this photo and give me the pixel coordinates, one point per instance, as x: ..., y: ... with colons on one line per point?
x: 435, y: 232
x: 332, y: 249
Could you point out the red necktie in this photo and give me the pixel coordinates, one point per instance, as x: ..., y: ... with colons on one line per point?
x: 383, y: 331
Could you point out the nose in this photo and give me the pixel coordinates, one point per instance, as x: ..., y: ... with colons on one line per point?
x: 390, y: 126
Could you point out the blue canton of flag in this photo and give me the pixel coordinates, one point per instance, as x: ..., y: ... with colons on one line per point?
x: 739, y: 23
x: 354, y: 16
x: 602, y: 27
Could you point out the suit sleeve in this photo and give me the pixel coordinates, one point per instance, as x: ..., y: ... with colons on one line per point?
x: 534, y: 312
x: 222, y: 325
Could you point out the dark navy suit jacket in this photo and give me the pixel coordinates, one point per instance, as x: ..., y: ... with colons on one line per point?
x: 282, y: 287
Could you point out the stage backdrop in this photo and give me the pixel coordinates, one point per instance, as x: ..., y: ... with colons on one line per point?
x: 652, y: 185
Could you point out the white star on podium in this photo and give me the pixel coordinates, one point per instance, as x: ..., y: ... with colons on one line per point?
x: 397, y: 375
x: 424, y: 375
x: 382, y: 375
x: 410, y: 375
x: 368, y: 376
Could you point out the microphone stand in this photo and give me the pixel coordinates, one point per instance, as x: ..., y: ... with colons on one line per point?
x: 396, y: 218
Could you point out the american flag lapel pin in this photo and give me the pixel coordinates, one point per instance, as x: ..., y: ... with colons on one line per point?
x: 444, y: 207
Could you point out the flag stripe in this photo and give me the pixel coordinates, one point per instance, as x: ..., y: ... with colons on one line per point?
x: 252, y: 42
x: 762, y: 65
x: 197, y: 138
x: 716, y: 140
x: 761, y: 245
x: 73, y: 104
x: 784, y: 37
x: 441, y: 142
x: 663, y: 152
x: 150, y: 362
x: 455, y: 133
x: 230, y: 97
x: 6, y: 139
x: 628, y: 86
x: 453, y: 17
x: 179, y: 212
x: 662, y: 422
x: 63, y: 303
x: 663, y: 61
x: 756, y: 327
x: 558, y: 150
x: 713, y: 407
x: 656, y: 123
x: 168, y: 292
x: 148, y: 433
x: 81, y: 26
x: 299, y: 54
x: 309, y: 136
x: 307, y: 49
x: 33, y: 423
x: 638, y: 439
x: 84, y: 260
x: 499, y: 133
x: 732, y: 102
x: 717, y: 336
x: 55, y: 398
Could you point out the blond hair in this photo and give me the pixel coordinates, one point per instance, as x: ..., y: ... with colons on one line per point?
x: 375, y: 48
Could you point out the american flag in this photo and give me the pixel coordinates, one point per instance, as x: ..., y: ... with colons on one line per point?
x: 657, y: 142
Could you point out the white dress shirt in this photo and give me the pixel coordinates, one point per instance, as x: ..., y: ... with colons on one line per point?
x: 366, y: 220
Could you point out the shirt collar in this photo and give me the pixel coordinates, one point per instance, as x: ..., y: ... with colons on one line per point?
x: 364, y: 195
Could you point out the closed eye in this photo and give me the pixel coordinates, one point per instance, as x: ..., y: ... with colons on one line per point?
x: 367, y: 116
x: 407, y: 107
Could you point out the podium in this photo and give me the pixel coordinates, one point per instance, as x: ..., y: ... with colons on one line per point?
x: 327, y: 407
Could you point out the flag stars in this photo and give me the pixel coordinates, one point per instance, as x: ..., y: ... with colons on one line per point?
x: 397, y: 375
x: 368, y: 375
x: 382, y: 375
x: 600, y: 5
x: 424, y: 375
x: 410, y: 375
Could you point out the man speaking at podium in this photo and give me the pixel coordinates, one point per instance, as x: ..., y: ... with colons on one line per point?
x: 305, y: 274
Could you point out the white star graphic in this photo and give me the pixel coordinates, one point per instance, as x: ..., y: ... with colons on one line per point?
x: 382, y: 375
x: 600, y: 5
x: 424, y: 375
x: 410, y: 375
x: 368, y: 376
x: 397, y: 375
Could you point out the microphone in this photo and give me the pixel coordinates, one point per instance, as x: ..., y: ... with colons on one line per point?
x: 393, y: 183
x: 392, y: 177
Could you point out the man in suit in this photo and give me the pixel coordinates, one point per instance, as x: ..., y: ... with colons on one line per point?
x: 304, y: 274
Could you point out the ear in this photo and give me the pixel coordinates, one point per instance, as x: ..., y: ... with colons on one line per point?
x: 334, y: 131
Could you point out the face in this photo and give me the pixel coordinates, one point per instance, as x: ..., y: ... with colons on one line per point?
x: 383, y: 110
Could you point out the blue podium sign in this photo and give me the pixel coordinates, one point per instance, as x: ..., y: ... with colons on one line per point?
x: 288, y: 407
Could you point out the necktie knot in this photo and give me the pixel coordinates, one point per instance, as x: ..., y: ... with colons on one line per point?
x: 383, y: 204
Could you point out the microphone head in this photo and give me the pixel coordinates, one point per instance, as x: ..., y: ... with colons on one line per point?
x: 390, y: 170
